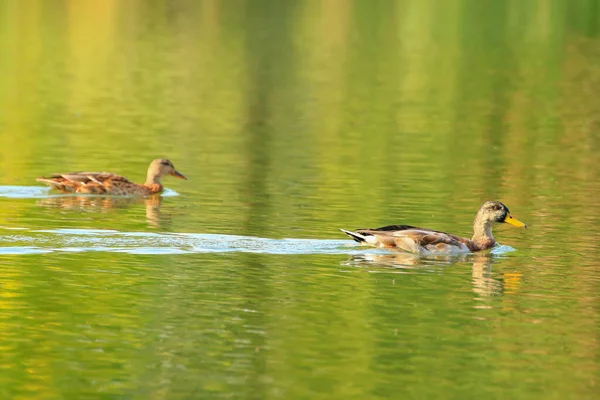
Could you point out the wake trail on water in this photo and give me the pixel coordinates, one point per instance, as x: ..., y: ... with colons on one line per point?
x: 32, y: 241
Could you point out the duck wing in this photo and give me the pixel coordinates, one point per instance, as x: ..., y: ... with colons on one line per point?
x: 88, y: 182
x: 86, y: 177
x: 412, y: 239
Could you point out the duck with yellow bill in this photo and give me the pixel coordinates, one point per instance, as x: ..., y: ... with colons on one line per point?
x: 428, y: 242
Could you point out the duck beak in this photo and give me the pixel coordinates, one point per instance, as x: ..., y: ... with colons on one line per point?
x: 176, y: 174
x: 514, y: 222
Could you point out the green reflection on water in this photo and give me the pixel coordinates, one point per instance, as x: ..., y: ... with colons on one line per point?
x: 292, y: 119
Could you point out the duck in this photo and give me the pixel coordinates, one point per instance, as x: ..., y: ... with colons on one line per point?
x: 107, y: 183
x: 428, y: 242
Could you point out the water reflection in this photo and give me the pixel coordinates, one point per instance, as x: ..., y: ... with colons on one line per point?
x: 397, y: 260
x: 107, y: 203
x: 485, y: 283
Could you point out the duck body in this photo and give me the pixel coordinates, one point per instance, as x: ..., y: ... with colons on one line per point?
x: 101, y: 183
x: 412, y: 239
x: 428, y: 242
x: 106, y: 183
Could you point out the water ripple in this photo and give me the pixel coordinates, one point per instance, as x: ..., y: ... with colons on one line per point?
x: 28, y: 241
x: 37, y: 192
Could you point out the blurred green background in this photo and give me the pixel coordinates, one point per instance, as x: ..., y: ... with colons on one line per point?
x: 291, y: 119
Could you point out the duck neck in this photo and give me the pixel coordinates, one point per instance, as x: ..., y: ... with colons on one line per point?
x: 482, y: 234
x: 152, y: 179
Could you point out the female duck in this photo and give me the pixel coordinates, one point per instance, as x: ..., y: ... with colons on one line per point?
x: 106, y: 183
x: 429, y: 242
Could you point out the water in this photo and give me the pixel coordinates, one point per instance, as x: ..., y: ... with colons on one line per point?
x: 291, y: 120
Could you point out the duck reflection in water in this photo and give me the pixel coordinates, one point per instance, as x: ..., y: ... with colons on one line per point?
x: 103, y: 204
x: 485, y: 283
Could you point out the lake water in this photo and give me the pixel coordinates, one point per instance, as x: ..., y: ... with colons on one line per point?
x: 292, y: 119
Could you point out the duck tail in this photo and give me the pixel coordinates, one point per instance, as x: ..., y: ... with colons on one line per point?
x: 46, y: 181
x: 55, y: 185
x: 357, y: 237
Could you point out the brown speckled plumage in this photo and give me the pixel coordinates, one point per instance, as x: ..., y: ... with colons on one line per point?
x: 430, y: 242
x: 106, y: 183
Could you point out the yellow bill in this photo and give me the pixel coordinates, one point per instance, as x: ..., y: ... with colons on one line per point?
x: 514, y: 222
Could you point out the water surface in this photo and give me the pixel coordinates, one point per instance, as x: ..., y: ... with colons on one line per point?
x: 291, y: 120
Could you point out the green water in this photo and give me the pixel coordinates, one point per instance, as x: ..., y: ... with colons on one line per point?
x: 292, y: 119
